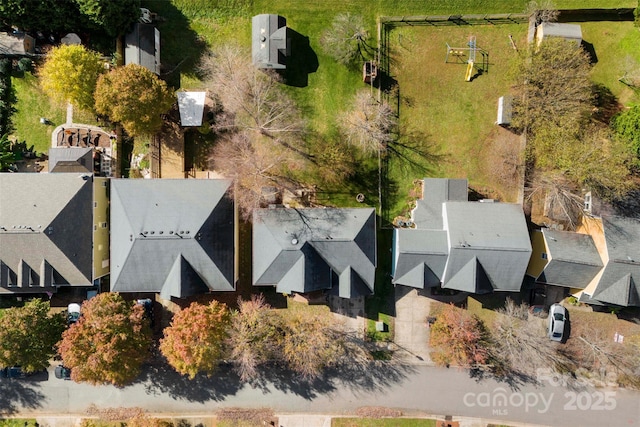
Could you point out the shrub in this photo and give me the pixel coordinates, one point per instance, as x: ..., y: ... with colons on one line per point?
x: 25, y: 65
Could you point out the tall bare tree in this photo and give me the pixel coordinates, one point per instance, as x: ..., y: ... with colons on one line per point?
x: 370, y: 125
x: 523, y: 344
x: 254, y: 97
x: 346, y: 39
x: 555, y: 88
x: 254, y: 163
x: 542, y: 11
x: 253, y: 336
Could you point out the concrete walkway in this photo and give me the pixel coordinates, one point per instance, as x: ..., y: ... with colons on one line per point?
x: 304, y: 420
x: 69, y: 113
x: 284, y: 420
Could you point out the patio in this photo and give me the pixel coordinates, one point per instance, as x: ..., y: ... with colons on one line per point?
x: 82, y: 137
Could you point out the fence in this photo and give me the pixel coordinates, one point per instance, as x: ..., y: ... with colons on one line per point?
x: 442, y: 20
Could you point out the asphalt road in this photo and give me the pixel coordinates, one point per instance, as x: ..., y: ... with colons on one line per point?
x: 412, y: 388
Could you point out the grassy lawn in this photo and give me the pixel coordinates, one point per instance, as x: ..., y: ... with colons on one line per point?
x: 606, y: 323
x: 18, y: 422
x: 382, y: 422
x: 615, y: 45
x: 381, y: 335
x: 33, y: 104
x: 456, y: 116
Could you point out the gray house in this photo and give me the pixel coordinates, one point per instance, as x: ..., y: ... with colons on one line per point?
x: 270, y: 41
x: 175, y: 237
x: 619, y: 283
x: 475, y: 247
x: 50, y: 228
x: 306, y: 250
x: 142, y: 47
x: 71, y: 159
x: 564, y: 258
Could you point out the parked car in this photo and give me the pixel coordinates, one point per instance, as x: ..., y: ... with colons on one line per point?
x: 557, y: 320
x: 11, y: 372
x: 62, y: 372
x: 147, y: 304
x: 73, y: 313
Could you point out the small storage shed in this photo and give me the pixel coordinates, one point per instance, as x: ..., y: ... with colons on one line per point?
x: 270, y: 41
x: 569, y: 32
x: 504, y: 111
x: 191, y: 106
x: 142, y: 47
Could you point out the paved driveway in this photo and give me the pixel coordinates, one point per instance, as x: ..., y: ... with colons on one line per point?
x: 411, y: 329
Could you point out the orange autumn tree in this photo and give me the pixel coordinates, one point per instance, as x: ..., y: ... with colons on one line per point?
x: 109, y: 343
x: 195, y: 340
x: 135, y: 97
x: 459, y: 338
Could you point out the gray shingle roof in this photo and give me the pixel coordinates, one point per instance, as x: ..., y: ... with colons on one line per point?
x: 495, y: 234
x: 303, y: 250
x: 71, y: 159
x: 176, y: 237
x: 269, y: 41
x: 142, y: 47
x: 468, y: 246
x: 436, y: 191
x: 420, y: 257
x: 573, y: 259
x: 46, y: 230
x: 621, y: 276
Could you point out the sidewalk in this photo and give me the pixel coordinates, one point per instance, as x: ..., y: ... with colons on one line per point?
x: 306, y: 420
x: 285, y: 420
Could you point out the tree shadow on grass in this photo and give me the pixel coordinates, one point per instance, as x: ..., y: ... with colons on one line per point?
x: 606, y: 103
x: 302, y: 62
x: 181, y: 47
x: 18, y: 395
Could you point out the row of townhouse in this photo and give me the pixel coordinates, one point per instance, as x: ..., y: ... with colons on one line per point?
x: 179, y: 238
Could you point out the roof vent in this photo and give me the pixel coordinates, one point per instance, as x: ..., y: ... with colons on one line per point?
x: 294, y: 241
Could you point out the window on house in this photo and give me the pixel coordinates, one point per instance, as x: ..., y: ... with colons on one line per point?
x: 103, y: 224
x: 544, y: 255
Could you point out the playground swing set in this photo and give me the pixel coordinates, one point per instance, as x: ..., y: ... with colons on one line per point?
x: 458, y: 54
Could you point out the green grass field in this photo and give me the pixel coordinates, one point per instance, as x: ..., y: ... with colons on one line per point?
x: 32, y: 104
x: 454, y: 118
x: 382, y: 422
x: 18, y: 422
